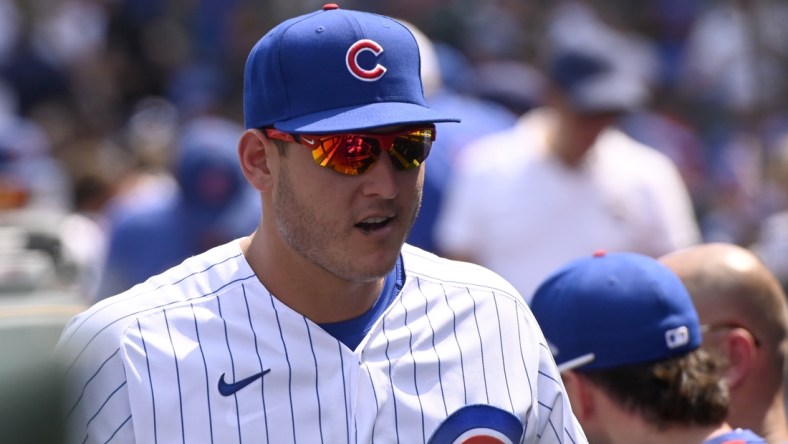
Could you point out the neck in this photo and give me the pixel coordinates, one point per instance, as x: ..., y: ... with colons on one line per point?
x: 768, y: 420
x: 303, y: 286
x: 568, y: 157
x: 615, y: 425
x: 566, y: 148
x: 645, y: 434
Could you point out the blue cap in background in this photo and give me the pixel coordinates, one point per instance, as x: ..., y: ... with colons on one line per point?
x: 594, y: 81
x: 615, y: 309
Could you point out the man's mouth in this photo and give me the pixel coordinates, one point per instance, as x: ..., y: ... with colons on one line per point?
x: 373, y: 223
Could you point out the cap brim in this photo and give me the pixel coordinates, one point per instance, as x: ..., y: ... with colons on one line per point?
x: 363, y: 117
x: 576, y: 362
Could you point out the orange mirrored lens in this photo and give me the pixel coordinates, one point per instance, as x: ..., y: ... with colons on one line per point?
x: 345, y: 153
x: 353, y: 154
x: 410, y: 149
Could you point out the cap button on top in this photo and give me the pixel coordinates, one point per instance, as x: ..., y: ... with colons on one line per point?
x: 329, y: 6
x: 600, y: 253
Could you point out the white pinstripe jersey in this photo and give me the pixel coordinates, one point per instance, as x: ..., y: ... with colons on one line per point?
x: 149, y: 365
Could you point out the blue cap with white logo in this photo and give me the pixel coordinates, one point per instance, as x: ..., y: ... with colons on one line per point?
x: 615, y: 309
x: 335, y: 70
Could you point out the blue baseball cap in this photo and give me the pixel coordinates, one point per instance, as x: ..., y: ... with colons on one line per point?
x: 595, y: 81
x: 615, y: 309
x: 335, y: 70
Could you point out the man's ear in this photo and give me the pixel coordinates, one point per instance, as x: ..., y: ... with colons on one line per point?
x: 740, y: 350
x: 578, y: 390
x: 256, y: 153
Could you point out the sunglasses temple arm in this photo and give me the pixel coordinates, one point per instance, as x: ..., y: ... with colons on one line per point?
x: 279, y: 135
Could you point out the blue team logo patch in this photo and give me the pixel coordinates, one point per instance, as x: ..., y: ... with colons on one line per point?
x: 479, y: 424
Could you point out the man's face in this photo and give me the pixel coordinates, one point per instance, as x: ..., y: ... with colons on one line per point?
x: 351, y: 226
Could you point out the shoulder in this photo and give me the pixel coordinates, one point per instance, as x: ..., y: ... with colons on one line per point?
x: 102, y: 327
x: 473, y: 296
x: 454, y: 274
x: 503, y: 154
x: 622, y: 157
x: 620, y: 145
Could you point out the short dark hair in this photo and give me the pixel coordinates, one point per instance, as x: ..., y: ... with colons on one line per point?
x: 684, y: 390
x: 281, y: 146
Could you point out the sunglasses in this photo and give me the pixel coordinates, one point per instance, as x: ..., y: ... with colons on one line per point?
x: 706, y: 328
x: 354, y: 153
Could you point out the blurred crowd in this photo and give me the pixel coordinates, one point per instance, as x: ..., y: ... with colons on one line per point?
x: 119, y: 118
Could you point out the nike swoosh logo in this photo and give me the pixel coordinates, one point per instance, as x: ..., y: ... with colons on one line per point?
x: 230, y: 389
x: 309, y: 141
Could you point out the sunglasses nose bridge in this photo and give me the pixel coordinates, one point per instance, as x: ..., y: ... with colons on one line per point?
x: 381, y: 176
x: 383, y: 147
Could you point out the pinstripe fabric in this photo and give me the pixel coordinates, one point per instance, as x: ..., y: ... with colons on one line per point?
x: 145, y: 365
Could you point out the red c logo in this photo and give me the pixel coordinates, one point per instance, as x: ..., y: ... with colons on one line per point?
x: 351, y: 60
x: 479, y: 424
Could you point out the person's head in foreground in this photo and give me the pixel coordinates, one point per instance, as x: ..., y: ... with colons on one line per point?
x: 626, y: 339
x: 744, y: 317
x: 337, y: 130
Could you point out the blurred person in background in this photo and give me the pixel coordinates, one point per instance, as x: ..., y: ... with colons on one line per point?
x: 744, y: 316
x: 210, y: 205
x: 564, y: 180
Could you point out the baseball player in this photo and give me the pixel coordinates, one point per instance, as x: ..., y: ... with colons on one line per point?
x: 322, y: 326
